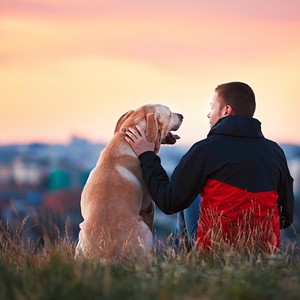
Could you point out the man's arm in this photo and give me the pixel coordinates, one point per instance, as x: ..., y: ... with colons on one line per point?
x: 154, y: 174
x: 286, y: 204
x: 187, y: 179
x: 285, y: 195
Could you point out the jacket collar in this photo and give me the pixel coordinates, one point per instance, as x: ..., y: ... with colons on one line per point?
x: 239, y: 126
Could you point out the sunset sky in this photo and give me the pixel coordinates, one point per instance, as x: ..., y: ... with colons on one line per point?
x: 73, y: 67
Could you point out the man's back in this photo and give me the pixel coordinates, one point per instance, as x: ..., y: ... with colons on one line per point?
x: 243, y: 183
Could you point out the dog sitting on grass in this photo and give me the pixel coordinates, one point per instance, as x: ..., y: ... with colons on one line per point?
x: 116, y: 206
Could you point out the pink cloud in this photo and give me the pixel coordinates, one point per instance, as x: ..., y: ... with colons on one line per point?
x: 255, y: 9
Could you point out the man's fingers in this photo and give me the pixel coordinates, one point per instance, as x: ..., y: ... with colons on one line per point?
x: 134, y: 132
x: 128, y: 140
x: 140, y: 130
x: 131, y: 135
x: 137, y: 132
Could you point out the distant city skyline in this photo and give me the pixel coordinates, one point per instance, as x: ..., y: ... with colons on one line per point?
x: 52, y: 177
x: 74, y: 67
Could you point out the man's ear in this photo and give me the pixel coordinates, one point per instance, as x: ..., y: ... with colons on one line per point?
x: 151, y: 127
x: 227, y: 110
x: 122, y: 120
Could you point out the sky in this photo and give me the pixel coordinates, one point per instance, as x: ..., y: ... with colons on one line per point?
x: 73, y: 67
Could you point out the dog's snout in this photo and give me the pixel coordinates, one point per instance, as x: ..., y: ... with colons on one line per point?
x: 180, y: 116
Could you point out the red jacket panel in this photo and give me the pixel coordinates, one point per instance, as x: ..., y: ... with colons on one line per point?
x: 233, y: 217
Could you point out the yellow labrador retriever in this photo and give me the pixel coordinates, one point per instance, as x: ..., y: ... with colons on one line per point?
x: 115, y: 203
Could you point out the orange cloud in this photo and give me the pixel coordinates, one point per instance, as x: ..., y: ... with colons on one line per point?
x: 76, y: 66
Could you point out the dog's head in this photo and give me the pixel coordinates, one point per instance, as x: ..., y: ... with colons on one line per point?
x: 157, y: 120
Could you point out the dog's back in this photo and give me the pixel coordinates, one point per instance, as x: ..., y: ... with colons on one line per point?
x: 111, y: 204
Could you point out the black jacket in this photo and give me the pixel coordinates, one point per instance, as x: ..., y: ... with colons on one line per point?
x: 234, y: 153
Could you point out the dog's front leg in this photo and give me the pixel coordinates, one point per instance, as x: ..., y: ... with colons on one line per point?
x: 147, y: 214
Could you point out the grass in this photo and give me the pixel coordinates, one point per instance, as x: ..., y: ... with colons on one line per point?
x: 31, y: 271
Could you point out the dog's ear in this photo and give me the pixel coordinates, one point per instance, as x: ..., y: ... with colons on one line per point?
x: 122, y: 120
x: 152, y: 127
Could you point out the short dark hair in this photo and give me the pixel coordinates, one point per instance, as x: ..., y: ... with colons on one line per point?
x: 239, y: 96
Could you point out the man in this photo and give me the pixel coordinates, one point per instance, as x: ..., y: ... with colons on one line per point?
x: 243, y: 179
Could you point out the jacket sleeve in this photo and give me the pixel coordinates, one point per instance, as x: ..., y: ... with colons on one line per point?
x: 285, y: 195
x: 175, y: 194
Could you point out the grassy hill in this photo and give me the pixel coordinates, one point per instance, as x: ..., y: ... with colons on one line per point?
x: 29, y: 271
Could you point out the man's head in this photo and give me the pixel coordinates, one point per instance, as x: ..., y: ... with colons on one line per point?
x: 232, y: 98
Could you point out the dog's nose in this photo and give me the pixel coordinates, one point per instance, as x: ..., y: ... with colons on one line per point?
x: 180, y: 116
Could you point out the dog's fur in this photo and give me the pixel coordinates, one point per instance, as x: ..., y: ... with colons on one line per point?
x: 115, y: 203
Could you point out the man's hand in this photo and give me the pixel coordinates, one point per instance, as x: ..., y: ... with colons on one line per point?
x: 138, y: 141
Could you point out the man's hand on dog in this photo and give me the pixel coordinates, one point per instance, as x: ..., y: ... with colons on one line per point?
x: 138, y: 141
